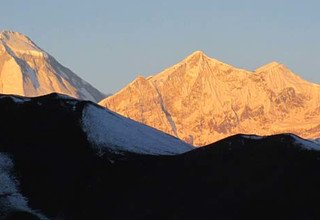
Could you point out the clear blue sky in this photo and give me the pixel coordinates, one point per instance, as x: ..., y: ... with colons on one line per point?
x: 109, y: 43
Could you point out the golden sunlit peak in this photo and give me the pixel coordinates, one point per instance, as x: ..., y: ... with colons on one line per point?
x: 18, y: 42
x: 197, y: 56
x: 7, y: 35
x: 197, y: 53
x: 268, y: 66
x: 26, y: 70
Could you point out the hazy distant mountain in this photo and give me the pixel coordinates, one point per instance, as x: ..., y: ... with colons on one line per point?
x: 62, y: 158
x: 27, y: 70
x: 202, y: 100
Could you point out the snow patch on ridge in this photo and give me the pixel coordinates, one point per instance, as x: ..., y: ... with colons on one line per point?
x: 317, y: 141
x: 108, y: 130
x: 251, y: 136
x: 165, y: 111
x: 32, y: 76
x: 10, y: 197
x: 307, y: 144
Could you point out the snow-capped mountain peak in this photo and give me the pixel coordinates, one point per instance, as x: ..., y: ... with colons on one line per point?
x: 18, y: 42
x: 196, y: 55
x: 202, y: 100
x: 27, y: 70
x: 268, y: 66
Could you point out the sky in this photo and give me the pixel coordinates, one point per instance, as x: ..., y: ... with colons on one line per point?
x: 110, y: 43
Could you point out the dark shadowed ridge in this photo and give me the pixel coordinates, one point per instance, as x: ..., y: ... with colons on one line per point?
x: 50, y: 170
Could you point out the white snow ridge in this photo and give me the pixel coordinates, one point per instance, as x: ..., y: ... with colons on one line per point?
x: 10, y: 197
x: 107, y: 129
x: 306, y: 144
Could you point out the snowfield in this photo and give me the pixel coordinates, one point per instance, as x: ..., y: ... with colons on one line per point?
x: 108, y: 129
x: 10, y: 196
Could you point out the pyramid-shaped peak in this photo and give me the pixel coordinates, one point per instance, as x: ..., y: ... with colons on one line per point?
x: 26, y: 70
x: 197, y: 55
x: 17, y: 41
x: 269, y: 66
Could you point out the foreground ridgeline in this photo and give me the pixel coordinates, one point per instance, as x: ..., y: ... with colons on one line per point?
x: 27, y: 70
x: 202, y: 100
x: 61, y: 158
x: 36, y: 119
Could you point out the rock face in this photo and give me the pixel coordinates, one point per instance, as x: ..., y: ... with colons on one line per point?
x: 202, y: 100
x: 27, y: 70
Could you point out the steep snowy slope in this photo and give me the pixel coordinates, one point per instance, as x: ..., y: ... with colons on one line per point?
x: 27, y: 70
x: 202, y: 100
x: 106, y: 131
x: 106, y: 128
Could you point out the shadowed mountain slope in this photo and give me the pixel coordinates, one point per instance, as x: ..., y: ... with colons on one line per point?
x: 51, y: 169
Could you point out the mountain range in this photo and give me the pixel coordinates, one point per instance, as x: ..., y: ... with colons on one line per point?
x: 199, y: 100
x: 56, y: 163
x: 63, y: 156
x: 27, y: 70
x: 202, y: 100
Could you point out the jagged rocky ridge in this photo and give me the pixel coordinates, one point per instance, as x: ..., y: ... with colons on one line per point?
x: 27, y: 70
x: 51, y: 169
x: 202, y: 100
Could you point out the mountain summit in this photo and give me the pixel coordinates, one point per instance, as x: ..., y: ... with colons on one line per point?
x: 27, y: 70
x: 202, y: 100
